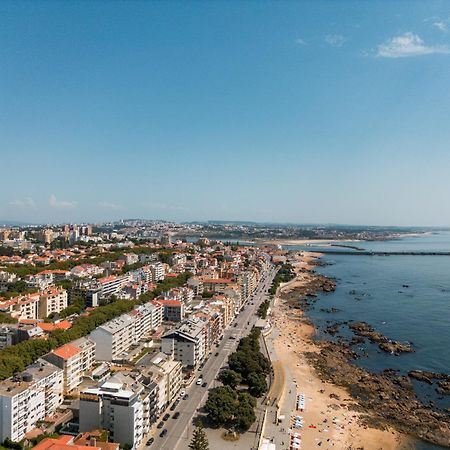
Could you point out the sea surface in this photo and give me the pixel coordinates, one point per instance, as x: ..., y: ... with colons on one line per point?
x: 406, y: 298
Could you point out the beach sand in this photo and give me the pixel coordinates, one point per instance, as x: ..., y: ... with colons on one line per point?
x: 329, y: 421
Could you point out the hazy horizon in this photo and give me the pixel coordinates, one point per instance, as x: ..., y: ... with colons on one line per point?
x: 283, y: 112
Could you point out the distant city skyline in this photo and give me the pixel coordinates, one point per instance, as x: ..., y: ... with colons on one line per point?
x: 302, y: 112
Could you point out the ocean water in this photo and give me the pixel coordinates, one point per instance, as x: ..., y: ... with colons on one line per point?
x: 373, y: 289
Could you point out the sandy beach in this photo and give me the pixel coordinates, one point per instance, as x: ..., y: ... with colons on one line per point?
x: 329, y: 419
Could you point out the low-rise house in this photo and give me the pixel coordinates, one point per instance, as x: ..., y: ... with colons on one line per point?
x: 84, y: 442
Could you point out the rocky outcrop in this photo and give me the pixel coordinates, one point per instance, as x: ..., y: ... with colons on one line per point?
x: 384, y: 343
x: 387, y: 397
x: 442, y: 380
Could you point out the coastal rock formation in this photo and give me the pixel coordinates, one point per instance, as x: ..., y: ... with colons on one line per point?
x: 384, y: 343
x: 388, y: 398
x: 442, y: 379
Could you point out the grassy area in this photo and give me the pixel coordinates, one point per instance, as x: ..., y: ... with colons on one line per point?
x: 142, y: 353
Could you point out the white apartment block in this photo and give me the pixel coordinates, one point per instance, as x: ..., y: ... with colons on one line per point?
x: 6, y: 278
x: 187, y: 342
x: 75, y: 359
x: 111, y: 285
x: 116, y: 407
x: 29, y: 398
x: 170, y: 370
x: 115, y: 337
x: 157, y: 270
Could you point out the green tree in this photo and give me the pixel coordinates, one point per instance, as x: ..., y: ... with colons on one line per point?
x: 257, y: 384
x: 221, y: 405
x: 245, y: 411
x: 230, y: 378
x: 199, y: 440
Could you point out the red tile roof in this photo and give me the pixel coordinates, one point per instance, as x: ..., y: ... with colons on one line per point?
x: 67, y: 351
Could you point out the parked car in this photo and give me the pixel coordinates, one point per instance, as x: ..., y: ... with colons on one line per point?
x: 199, y: 381
x: 176, y: 415
x: 216, y: 354
x: 205, y: 384
x: 182, y: 393
x: 185, y: 396
x: 160, y: 424
x: 150, y: 441
x: 166, y: 416
x: 174, y: 405
x: 163, y: 432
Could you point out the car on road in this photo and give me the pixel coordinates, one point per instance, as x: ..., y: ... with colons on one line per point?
x: 199, y: 381
x: 176, y: 415
x: 166, y: 416
x: 182, y: 393
x: 185, y: 396
x: 163, y: 432
x: 233, y: 338
x: 216, y: 354
x: 160, y: 424
x: 204, y: 384
x: 174, y: 405
x: 150, y: 441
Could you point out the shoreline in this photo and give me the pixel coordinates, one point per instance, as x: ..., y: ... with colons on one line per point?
x: 332, y: 418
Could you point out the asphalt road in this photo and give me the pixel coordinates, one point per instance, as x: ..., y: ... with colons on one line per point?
x: 180, y: 430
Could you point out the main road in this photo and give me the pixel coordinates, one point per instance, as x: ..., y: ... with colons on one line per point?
x: 180, y: 430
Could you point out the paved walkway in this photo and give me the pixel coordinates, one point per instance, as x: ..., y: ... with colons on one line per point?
x: 282, y: 399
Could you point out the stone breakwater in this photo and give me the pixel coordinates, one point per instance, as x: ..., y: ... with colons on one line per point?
x: 384, y: 399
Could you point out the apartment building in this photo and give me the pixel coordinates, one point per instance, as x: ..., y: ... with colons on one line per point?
x: 6, y: 278
x: 174, y: 310
x: 165, y: 367
x: 115, y: 337
x: 112, y: 284
x: 28, y: 398
x: 196, y: 284
x: 52, y: 300
x: 216, y: 285
x: 129, y: 258
x: 122, y: 405
x: 22, y: 307
x: 157, y: 271
x: 75, y: 359
x: 187, y: 343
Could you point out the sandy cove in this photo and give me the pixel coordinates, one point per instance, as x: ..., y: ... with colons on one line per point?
x: 329, y: 421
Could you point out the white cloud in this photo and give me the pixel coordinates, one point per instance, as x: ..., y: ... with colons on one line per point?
x: 300, y: 41
x: 441, y: 25
x: 53, y: 202
x: 28, y: 202
x: 335, y: 40
x: 407, y: 44
x: 110, y: 205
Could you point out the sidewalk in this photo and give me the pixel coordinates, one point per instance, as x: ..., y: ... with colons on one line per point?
x: 282, y: 397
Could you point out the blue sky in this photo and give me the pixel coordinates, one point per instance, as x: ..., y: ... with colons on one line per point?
x: 308, y: 111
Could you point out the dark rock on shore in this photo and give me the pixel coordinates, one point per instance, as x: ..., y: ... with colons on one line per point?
x: 389, y: 397
x: 384, y: 343
x: 443, y: 380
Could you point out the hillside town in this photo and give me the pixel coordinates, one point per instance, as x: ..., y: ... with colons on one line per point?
x: 103, y: 330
